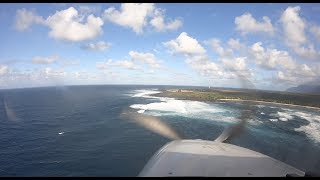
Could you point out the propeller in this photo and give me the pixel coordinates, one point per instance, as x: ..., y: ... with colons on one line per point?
x: 155, y: 124
x: 9, y: 112
x: 246, y: 114
x: 152, y: 123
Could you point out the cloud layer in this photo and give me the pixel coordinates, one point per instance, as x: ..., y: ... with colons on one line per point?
x: 276, y: 49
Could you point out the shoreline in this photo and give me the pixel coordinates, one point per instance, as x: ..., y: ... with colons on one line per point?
x: 270, y: 103
x: 240, y: 100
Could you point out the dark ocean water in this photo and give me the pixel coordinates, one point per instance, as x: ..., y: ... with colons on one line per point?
x: 77, y: 131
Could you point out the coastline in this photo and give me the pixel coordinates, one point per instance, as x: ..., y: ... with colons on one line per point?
x: 269, y: 103
x: 165, y: 94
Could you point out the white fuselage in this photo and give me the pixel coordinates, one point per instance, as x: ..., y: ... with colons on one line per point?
x: 209, y: 158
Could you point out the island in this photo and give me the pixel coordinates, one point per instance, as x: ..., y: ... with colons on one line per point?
x: 276, y: 98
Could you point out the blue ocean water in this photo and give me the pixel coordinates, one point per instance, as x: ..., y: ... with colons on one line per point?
x: 77, y: 131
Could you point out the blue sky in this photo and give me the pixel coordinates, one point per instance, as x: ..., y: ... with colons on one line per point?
x: 275, y: 46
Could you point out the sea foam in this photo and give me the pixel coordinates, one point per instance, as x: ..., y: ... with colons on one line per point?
x: 312, y: 130
x: 185, y: 108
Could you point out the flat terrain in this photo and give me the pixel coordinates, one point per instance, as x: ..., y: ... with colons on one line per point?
x: 257, y: 96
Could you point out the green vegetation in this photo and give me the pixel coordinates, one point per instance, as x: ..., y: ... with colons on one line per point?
x: 257, y: 95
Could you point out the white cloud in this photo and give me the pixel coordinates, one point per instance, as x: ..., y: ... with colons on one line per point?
x: 203, y: 65
x: 64, y: 25
x: 301, y: 74
x: 81, y: 75
x: 227, y: 67
x: 293, y: 26
x: 67, y: 25
x: 284, y: 78
x: 289, y: 71
x: 51, y: 73
x: 159, y: 24
x: 248, y: 24
x: 185, y: 44
x: 3, y: 70
x: 128, y: 64
x: 148, y: 58
x: 233, y: 66
x: 234, y: 43
x: 270, y: 58
x: 104, y: 65
x: 316, y: 31
x: 236, y: 64
x: 25, y: 18
x: 136, y: 16
x: 216, y: 47
x: 307, y: 52
x: 305, y: 71
x: 294, y: 31
x: 45, y: 60
x: 98, y: 46
x: 132, y: 15
x: 134, y: 63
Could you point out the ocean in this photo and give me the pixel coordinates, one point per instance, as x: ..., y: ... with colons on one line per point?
x: 77, y: 130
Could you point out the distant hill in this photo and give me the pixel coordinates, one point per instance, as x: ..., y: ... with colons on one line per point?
x: 312, y: 89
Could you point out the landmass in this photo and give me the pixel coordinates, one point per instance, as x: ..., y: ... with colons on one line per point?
x: 314, y: 89
x: 311, y: 101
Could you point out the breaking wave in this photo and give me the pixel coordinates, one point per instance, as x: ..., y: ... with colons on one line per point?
x: 164, y: 106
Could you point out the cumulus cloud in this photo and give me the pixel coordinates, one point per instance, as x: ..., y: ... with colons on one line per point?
x: 248, y: 24
x: 3, y: 70
x: 132, y: 15
x: 67, y: 25
x: 216, y: 47
x: 64, y: 25
x: 236, y: 64
x: 271, y: 58
x: 233, y: 65
x: 203, y: 65
x: 147, y: 58
x: 136, y: 59
x: 158, y: 22
x: 301, y: 74
x: 136, y: 16
x: 293, y: 26
x: 25, y: 18
x: 98, y: 46
x: 73, y: 25
x: 227, y: 66
x: 294, y: 31
x: 286, y: 67
x: 234, y: 43
x: 306, y: 71
x: 307, y: 52
x: 45, y: 60
x: 185, y: 44
x: 281, y: 77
